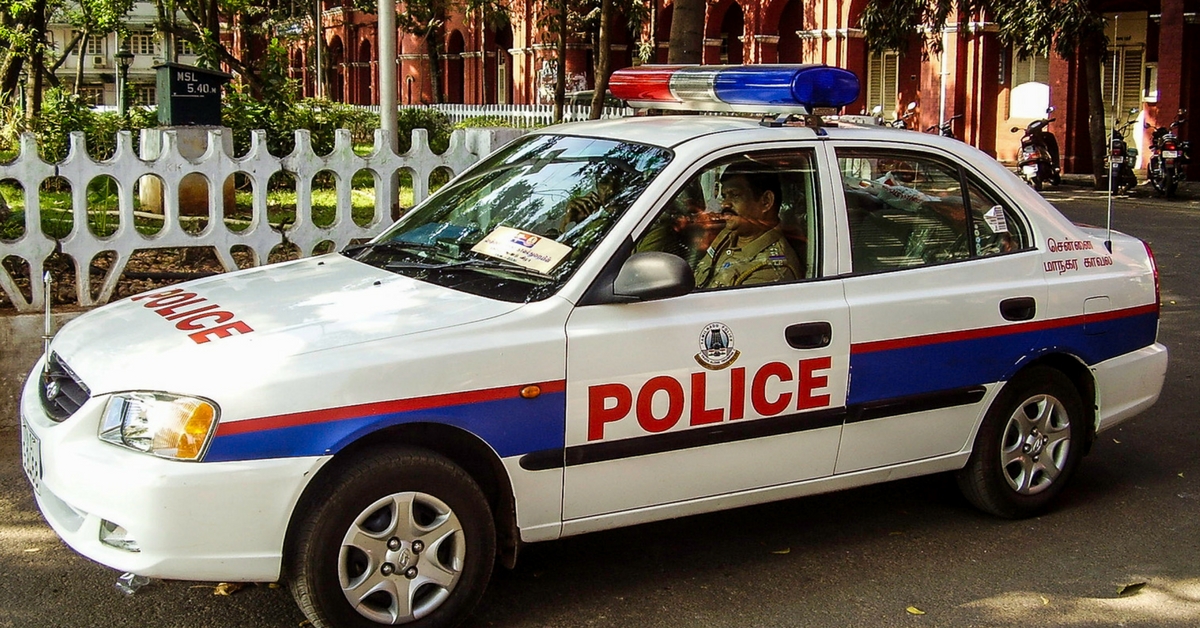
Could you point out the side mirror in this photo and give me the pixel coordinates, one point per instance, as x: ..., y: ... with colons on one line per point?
x: 653, y: 275
x: 1146, y: 125
x: 1049, y: 110
x: 1015, y: 129
x: 876, y: 110
x: 911, y: 106
x: 1133, y: 111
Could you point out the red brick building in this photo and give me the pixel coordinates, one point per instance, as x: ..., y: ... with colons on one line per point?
x: 1151, y: 68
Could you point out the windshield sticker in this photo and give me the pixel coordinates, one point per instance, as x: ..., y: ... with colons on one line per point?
x: 995, y: 220
x: 522, y: 248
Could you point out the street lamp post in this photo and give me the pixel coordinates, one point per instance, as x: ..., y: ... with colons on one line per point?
x: 124, y: 60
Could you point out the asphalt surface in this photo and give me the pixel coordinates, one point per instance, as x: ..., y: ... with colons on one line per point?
x: 907, y: 553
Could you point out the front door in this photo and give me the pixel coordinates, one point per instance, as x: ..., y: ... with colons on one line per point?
x: 724, y: 390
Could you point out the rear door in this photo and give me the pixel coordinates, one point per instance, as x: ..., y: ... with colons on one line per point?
x: 945, y: 294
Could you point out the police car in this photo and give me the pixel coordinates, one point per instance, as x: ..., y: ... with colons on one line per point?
x: 602, y: 324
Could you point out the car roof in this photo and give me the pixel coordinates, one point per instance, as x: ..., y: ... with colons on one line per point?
x: 669, y: 131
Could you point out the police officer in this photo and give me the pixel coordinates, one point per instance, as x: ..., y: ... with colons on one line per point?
x: 751, y: 249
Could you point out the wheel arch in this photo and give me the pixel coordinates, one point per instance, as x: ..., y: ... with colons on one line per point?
x: 457, y: 445
x: 1081, y: 377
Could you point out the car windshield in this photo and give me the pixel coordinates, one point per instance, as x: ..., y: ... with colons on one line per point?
x: 518, y: 225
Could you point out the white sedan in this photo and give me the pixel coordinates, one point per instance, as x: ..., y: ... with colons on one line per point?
x: 602, y: 324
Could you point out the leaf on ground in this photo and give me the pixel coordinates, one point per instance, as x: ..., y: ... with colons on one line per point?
x: 1130, y: 589
x: 912, y: 610
x: 786, y: 550
x: 228, y: 588
x: 1181, y: 475
x: 30, y: 550
x: 1045, y: 602
x: 1116, y: 441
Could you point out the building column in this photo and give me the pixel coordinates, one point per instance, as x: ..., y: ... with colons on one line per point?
x: 766, y: 49
x: 1170, y: 62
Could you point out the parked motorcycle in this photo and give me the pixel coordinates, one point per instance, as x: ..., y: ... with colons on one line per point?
x: 945, y: 128
x: 902, y: 122
x: 1037, y: 162
x: 1168, y: 156
x: 1122, y: 156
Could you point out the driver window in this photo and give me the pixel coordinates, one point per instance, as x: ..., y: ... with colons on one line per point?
x: 745, y: 220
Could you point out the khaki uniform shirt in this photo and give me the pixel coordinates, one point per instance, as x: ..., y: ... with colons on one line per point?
x: 766, y: 259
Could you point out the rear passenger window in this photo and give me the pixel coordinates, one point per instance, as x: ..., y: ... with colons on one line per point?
x: 906, y: 210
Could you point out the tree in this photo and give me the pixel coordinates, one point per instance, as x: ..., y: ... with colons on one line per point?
x: 1073, y: 28
x: 687, y: 32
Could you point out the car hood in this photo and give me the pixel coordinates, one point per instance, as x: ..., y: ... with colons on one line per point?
x: 300, y: 307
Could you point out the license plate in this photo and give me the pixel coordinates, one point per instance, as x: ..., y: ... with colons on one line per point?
x: 1029, y: 170
x: 31, y: 456
x: 1117, y: 160
x: 1170, y: 154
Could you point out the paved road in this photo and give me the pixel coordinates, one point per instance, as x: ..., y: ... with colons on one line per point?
x: 856, y: 558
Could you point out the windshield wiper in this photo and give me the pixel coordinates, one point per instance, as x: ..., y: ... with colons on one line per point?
x: 392, y: 246
x: 476, y: 263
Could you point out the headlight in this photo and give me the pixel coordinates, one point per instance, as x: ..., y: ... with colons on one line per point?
x: 166, y: 425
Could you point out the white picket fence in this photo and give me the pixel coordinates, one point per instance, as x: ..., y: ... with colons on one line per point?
x: 217, y: 164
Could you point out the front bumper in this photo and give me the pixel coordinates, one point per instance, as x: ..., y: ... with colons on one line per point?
x: 223, y: 521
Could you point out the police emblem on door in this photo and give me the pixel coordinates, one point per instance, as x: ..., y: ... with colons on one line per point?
x: 716, y: 347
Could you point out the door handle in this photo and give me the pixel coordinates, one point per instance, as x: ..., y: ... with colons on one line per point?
x: 809, y: 335
x: 1018, y: 308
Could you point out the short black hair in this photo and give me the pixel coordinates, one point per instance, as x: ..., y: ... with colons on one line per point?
x: 760, y: 177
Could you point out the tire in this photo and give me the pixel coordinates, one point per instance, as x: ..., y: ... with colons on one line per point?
x: 1037, y: 183
x: 402, y: 536
x: 1028, y: 447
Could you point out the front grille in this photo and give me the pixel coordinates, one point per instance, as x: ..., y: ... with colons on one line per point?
x: 61, y: 391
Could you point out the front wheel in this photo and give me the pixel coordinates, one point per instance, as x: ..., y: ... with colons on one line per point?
x: 401, y: 537
x: 1028, y: 446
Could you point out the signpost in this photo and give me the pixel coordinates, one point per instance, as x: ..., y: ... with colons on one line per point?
x: 189, y: 95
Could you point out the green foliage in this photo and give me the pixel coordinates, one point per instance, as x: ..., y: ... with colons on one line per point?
x: 484, y: 122
x: 63, y: 112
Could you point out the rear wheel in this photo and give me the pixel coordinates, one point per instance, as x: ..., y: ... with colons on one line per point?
x: 1028, y: 446
x: 402, y: 537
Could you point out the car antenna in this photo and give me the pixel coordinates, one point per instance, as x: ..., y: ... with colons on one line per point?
x: 1108, y: 222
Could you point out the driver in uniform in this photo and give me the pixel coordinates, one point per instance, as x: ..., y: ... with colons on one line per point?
x: 751, y: 249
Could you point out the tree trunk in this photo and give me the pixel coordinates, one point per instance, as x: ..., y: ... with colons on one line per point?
x: 433, y: 45
x: 1093, y: 61
x: 603, y: 55
x: 83, y: 42
x: 687, y: 32
x: 36, y: 64
x: 560, y: 78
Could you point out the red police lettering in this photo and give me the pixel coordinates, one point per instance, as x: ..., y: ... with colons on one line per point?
x: 599, y: 411
x: 168, y: 303
x: 701, y: 413
x: 189, y: 324
x: 220, y: 331
x: 174, y: 299
x: 645, y: 402
x: 169, y: 313
x: 153, y: 295
x: 805, y: 400
x: 609, y: 403
x: 737, y: 393
x: 758, y: 390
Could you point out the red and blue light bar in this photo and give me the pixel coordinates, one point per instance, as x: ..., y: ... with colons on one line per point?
x: 764, y: 88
